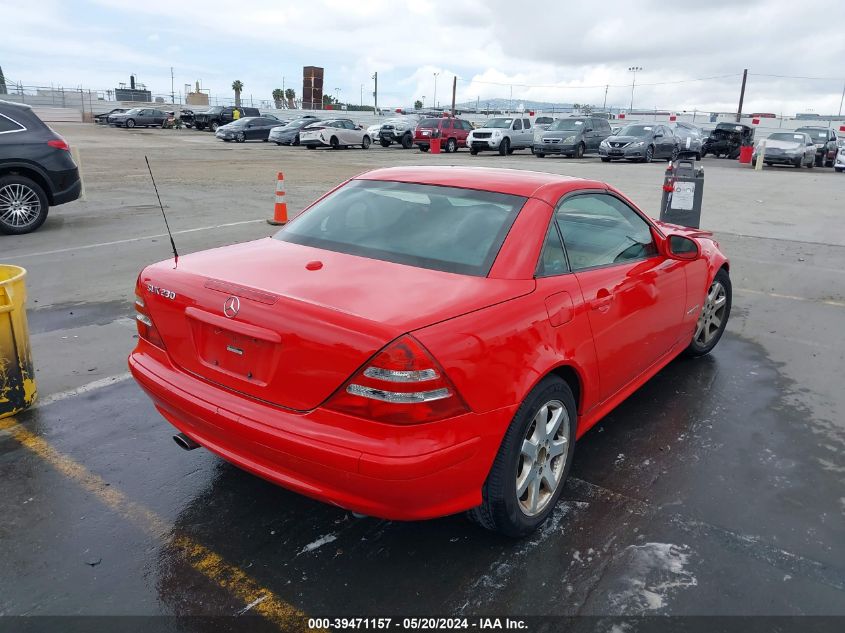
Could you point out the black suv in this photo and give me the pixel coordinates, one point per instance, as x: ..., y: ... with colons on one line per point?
x: 36, y: 170
x: 214, y: 117
x: 825, y: 141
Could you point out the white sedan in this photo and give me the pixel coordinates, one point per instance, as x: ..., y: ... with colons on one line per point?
x: 334, y: 133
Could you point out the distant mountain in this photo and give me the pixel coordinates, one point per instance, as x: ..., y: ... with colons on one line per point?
x: 504, y: 104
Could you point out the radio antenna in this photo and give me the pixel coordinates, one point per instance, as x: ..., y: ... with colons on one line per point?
x: 169, y: 234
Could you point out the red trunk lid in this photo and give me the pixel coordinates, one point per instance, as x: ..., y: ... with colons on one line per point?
x: 298, y: 333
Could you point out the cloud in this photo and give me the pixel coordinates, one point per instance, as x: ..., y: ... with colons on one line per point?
x: 550, y: 51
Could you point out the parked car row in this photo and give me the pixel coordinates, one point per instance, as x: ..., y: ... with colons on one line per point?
x: 574, y: 136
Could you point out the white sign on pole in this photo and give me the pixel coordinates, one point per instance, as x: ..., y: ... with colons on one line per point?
x: 683, y: 196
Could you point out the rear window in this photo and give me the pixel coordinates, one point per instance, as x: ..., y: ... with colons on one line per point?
x: 428, y: 226
x: 8, y: 125
x: 430, y: 123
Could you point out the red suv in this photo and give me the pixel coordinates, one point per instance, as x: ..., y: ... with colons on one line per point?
x: 451, y: 132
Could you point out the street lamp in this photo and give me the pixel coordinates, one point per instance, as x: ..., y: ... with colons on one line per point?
x: 635, y: 70
x: 434, y: 100
x: 337, y: 95
x: 423, y: 100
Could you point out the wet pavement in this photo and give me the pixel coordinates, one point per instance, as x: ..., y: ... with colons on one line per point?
x: 716, y: 489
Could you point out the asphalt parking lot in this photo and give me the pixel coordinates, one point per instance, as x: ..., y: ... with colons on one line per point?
x: 717, y: 489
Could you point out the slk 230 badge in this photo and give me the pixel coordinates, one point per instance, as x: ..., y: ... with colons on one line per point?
x: 162, y: 292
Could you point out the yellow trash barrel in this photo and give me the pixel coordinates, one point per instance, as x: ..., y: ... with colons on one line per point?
x: 17, y: 378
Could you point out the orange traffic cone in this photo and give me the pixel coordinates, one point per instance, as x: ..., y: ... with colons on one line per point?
x: 280, y: 209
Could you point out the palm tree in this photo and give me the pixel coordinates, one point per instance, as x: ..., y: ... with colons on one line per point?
x: 290, y: 95
x: 278, y: 96
x: 237, y: 86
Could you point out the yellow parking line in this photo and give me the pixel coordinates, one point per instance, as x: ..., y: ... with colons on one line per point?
x: 202, y: 559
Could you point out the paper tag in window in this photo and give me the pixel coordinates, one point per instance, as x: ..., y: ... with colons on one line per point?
x: 683, y: 196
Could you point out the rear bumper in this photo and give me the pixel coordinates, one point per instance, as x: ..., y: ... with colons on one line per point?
x: 69, y: 194
x: 393, y: 472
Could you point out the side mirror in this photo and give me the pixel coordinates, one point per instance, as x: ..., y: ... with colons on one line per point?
x: 589, y: 129
x: 658, y: 135
x: 682, y: 247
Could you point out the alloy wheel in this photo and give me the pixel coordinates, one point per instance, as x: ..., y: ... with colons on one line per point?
x: 542, y: 458
x: 712, y: 314
x: 19, y: 205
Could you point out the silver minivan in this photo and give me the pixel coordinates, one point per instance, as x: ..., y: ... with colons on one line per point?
x: 574, y: 136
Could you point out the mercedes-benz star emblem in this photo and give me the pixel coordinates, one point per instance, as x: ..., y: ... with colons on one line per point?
x: 232, y: 307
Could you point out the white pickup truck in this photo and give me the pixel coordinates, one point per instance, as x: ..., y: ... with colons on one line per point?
x: 504, y: 134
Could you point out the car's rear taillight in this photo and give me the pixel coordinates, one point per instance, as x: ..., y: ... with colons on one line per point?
x: 59, y: 143
x: 402, y: 384
x: 146, y: 328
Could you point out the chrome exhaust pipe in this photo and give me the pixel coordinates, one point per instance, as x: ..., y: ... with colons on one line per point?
x: 185, y: 442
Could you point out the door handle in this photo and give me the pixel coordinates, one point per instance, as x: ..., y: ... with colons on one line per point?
x: 602, y: 301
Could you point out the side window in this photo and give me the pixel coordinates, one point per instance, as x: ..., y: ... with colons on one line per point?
x: 517, y: 124
x: 599, y: 229
x: 467, y: 126
x: 552, y: 258
x: 526, y: 123
x: 446, y: 124
x: 7, y: 125
x: 349, y: 125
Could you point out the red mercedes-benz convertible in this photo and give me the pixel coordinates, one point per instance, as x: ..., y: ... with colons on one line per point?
x: 427, y: 340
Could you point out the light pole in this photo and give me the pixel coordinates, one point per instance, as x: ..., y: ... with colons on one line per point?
x: 434, y: 100
x: 375, y: 93
x: 337, y: 96
x: 423, y: 100
x: 362, y: 96
x: 635, y: 70
x: 841, y: 99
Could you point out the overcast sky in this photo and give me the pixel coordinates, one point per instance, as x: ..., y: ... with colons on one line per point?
x: 546, y: 50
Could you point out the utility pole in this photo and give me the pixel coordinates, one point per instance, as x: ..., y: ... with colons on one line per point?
x: 635, y: 70
x: 841, y: 99
x: 454, y: 89
x: 172, y: 92
x: 375, y: 93
x: 434, y: 100
x: 604, y: 105
x: 741, y: 95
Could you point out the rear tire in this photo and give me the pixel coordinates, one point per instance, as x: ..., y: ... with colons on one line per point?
x: 23, y: 205
x: 530, y: 454
x: 538, y: 155
x: 605, y: 160
x: 473, y: 152
x: 385, y: 143
x: 451, y: 146
x: 423, y: 148
x: 715, y: 311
